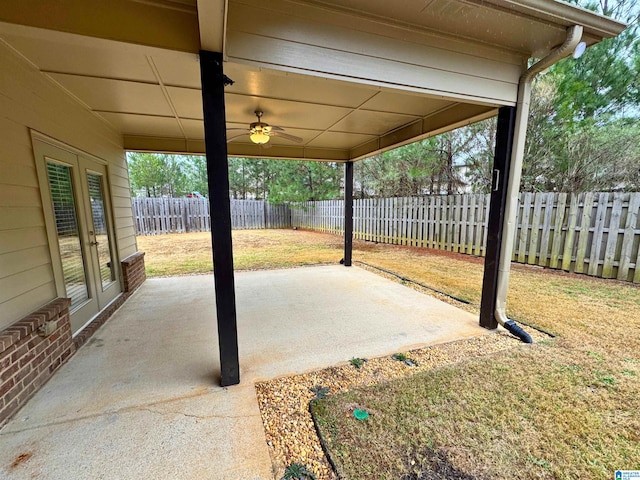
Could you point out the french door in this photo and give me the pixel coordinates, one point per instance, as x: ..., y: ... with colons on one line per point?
x: 78, y: 218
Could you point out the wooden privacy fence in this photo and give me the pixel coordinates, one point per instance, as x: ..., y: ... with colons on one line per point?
x: 154, y: 216
x: 593, y: 233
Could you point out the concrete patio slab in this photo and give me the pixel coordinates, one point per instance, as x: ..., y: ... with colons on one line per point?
x: 141, y: 400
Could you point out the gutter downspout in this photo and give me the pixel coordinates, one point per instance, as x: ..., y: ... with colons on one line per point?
x: 574, y: 34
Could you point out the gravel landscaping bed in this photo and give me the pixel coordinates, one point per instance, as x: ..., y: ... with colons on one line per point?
x: 284, y: 402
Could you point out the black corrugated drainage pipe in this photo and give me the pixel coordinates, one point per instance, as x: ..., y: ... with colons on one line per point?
x: 518, y: 331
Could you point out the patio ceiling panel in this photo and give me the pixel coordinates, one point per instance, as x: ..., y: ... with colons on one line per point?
x: 283, y: 113
x: 193, y: 128
x: 341, y: 140
x: 370, y: 122
x: 393, y: 102
x: 530, y: 27
x: 117, y: 96
x: 145, y: 124
x: 65, y: 54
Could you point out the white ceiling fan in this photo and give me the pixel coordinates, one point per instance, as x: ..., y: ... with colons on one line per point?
x: 260, y: 132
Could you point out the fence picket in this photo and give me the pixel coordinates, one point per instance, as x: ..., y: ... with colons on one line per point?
x: 612, y: 236
x: 598, y: 231
x: 585, y: 226
x: 524, y: 228
x: 543, y: 256
x: 485, y: 230
x: 478, y: 226
x: 556, y: 241
x: 628, y: 238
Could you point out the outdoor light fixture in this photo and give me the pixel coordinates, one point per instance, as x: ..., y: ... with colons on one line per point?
x: 579, y: 50
x: 260, y: 132
x: 258, y: 136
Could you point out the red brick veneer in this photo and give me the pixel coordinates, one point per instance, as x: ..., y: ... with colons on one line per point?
x: 133, y: 273
x: 27, y: 360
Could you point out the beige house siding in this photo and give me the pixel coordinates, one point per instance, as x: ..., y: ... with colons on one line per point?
x: 31, y: 101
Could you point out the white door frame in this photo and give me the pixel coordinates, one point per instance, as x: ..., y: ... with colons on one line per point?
x: 80, y: 164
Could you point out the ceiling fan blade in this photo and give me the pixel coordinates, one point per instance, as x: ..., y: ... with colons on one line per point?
x: 236, y: 136
x: 279, y: 129
x: 293, y: 138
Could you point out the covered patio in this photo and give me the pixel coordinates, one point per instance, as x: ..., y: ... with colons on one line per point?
x: 83, y: 81
x: 142, y: 392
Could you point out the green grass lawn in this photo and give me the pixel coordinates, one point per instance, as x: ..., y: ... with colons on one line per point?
x: 568, y: 407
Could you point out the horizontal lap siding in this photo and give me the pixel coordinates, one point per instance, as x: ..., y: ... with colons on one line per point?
x: 121, y: 197
x: 28, y: 100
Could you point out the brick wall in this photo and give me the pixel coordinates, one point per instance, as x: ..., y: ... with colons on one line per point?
x: 27, y: 359
x: 133, y: 273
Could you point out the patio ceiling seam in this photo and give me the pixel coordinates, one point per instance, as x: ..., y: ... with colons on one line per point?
x: 154, y: 115
x: 326, y: 130
x: 170, y: 5
x: 98, y: 77
x: 307, y: 102
x: 165, y: 92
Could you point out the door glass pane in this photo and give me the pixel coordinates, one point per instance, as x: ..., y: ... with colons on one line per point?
x: 96, y: 195
x: 64, y: 209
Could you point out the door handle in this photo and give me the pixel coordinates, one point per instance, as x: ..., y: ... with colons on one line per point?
x: 93, y: 244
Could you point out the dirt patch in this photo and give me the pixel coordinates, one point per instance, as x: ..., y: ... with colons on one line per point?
x: 428, y: 464
x: 20, y: 459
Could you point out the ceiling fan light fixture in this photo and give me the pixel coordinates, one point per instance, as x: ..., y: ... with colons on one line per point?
x: 259, y: 137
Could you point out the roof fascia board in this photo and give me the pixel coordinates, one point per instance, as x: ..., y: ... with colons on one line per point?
x: 359, y: 21
x: 562, y: 14
x: 141, y: 23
